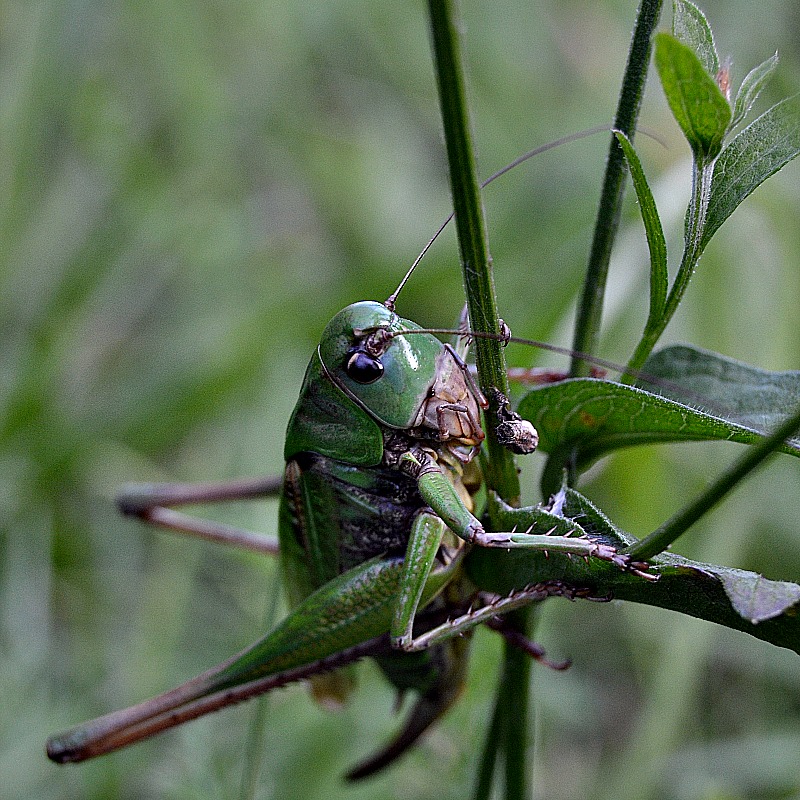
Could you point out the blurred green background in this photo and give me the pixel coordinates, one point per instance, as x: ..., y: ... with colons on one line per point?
x: 189, y: 191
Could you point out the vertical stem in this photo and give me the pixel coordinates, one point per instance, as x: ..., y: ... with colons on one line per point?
x: 499, y: 471
x: 254, y: 748
x: 587, y: 327
x: 478, y: 281
x: 515, y: 694
x: 590, y: 311
x: 491, y: 749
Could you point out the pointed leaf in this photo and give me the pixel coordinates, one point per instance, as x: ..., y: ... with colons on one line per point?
x: 659, y: 279
x: 757, y: 599
x: 597, y: 416
x: 705, y: 591
x: 696, y: 101
x: 751, y: 87
x: 754, y: 154
x: 756, y: 398
x: 690, y: 26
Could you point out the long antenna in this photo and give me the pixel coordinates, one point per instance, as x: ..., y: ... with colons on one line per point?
x: 604, y: 364
x: 572, y: 137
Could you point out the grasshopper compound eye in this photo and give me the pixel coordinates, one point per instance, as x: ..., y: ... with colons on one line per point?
x: 363, y: 368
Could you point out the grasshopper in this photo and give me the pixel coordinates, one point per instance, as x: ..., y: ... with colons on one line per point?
x: 376, y: 516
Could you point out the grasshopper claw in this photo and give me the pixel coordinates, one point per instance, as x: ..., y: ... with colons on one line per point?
x: 607, y: 553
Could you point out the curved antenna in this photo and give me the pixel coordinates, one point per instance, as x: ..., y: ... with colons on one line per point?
x: 505, y: 338
x: 572, y: 137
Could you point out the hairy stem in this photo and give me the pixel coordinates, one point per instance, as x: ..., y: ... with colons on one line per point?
x: 471, y: 229
x: 500, y: 469
x: 587, y: 327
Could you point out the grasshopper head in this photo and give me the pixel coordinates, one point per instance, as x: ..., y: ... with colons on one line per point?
x: 411, y: 383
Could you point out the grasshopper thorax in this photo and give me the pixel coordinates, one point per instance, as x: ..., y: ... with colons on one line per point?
x: 410, y: 383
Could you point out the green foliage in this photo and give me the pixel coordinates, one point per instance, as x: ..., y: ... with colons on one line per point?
x: 582, y: 419
x: 752, y: 156
x: 697, y: 103
x: 690, y: 26
x: 597, y: 416
x: 757, y: 398
x: 731, y: 597
x: 751, y: 87
x: 697, y: 91
x: 659, y: 278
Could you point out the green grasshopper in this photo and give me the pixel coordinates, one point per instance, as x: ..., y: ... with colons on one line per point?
x: 375, y: 520
x: 381, y: 552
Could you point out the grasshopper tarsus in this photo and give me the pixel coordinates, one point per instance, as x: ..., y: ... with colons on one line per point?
x: 624, y: 562
x: 528, y: 646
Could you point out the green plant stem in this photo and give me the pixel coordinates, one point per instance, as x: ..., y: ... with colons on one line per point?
x: 501, y: 474
x: 514, y: 699
x: 666, y: 534
x: 702, y: 173
x: 255, y: 749
x: 491, y: 749
x: 590, y: 312
x: 499, y: 468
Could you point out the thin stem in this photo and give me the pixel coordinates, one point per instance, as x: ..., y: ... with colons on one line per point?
x: 587, y: 327
x: 491, y: 749
x: 254, y: 748
x: 515, y: 694
x: 666, y: 534
x: 499, y: 468
x: 478, y: 281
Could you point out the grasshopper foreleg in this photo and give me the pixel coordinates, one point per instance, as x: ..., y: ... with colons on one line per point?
x: 440, y: 494
x: 580, y: 546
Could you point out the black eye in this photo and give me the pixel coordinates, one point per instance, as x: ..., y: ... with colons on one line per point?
x: 363, y: 368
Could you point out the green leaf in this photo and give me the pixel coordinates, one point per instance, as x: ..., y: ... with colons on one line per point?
x: 755, y: 153
x: 597, y: 416
x: 757, y: 599
x: 690, y: 26
x: 659, y: 279
x: 696, y: 101
x: 751, y: 87
x: 745, y: 395
x: 735, y: 598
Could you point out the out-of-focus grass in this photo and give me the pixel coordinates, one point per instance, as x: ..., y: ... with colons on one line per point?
x: 190, y: 191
